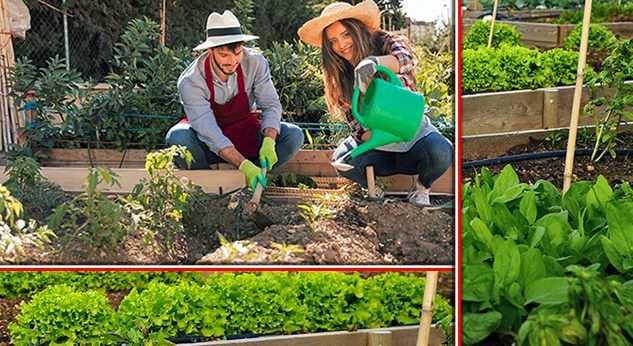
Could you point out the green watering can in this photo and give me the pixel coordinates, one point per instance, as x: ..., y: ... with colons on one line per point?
x: 392, y: 113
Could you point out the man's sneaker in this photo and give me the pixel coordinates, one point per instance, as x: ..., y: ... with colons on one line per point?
x: 419, y: 195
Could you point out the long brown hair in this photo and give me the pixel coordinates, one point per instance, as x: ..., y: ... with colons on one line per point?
x: 338, y: 72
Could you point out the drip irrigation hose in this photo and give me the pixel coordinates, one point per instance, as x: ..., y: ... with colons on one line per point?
x: 532, y: 156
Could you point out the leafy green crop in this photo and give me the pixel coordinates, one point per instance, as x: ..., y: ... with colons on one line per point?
x: 240, y: 303
x: 519, y: 243
x: 600, y: 38
x: 616, y: 105
x: 600, y: 13
x: 61, y: 315
x: 503, y: 34
x: 15, y: 284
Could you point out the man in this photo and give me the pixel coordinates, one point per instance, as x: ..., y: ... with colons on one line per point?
x: 219, y: 91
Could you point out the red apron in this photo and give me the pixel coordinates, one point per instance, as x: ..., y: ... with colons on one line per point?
x: 234, y: 118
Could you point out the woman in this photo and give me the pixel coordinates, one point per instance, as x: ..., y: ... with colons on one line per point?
x: 351, y: 47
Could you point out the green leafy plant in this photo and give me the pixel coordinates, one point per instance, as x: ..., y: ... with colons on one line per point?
x: 16, y: 232
x: 434, y: 76
x: 600, y: 38
x: 295, y: 69
x: 600, y: 13
x: 160, y: 201
x: 60, y: 315
x: 26, y: 183
x: 503, y: 34
x: 284, y: 251
x: 610, y: 108
x: 91, y: 215
x: 161, y: 311
x: 312, y: 212
x: 519, y: 243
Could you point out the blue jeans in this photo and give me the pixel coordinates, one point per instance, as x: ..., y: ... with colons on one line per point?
x: 429, y: 158
x: 289, y: 141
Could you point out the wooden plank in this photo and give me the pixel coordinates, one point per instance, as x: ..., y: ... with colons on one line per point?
x: 505, y: 111
x: 313, y: 163
x: 519, y: 110
x: 523, y: 13
x: 72, y: 179
x: 545, y: 35
x: 536, y: 34
x: 497, y: 144
x: 401, y: 336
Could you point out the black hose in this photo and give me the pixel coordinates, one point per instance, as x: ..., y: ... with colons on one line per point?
x: 533, y: 156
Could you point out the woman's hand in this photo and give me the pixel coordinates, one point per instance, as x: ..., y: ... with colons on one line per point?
x: 364, y: 72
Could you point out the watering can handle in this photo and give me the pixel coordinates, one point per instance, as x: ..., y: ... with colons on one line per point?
x: 393, y: 79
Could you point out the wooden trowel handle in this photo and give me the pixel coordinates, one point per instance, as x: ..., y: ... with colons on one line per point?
x: 257, y: 194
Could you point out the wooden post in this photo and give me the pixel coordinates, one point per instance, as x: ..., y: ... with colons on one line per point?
x: 492, y: 22
x: 427, y: 308
x: 371, y: 181
x: 575, y: 111
x: 7, y: 60
x: 379, y: 338
x: 550, y: 108
x: 162, y: 22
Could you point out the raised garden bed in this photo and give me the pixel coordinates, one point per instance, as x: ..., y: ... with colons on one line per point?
x: 520, y: 110
x: 272, y: 308
x: 544, y: 35
x: 312, y: 163
x: 328, y: 225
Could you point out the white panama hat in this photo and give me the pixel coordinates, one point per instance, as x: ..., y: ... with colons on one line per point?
x: 223, y: 29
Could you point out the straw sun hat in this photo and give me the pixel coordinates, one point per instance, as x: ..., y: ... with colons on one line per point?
x: 366, y: 11
x: 223, y: 29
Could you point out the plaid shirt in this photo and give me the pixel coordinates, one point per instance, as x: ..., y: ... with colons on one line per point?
x: 397, y: 48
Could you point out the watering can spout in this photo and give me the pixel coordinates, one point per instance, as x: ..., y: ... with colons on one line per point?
x: 378, y: 138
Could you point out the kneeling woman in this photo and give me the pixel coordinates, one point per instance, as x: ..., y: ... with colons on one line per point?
x: 351, y: 47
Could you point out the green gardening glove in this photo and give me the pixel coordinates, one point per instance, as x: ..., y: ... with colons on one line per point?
x: 267, y: 154
x: 253, y: 174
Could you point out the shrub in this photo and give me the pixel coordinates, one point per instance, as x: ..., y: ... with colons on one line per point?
x: 479, y: 32
x: 600, y: 38
x: 15, y: 232
x: 295, y: 69
x: 61, y: 315
x: 26, y: 183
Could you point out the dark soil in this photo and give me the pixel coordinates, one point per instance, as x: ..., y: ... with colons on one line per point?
x: 615, y: 170
x: 359, y: 232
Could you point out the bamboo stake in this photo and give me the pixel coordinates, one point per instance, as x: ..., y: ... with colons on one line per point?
x: 575, y: 110
x: 492, y: 22
x: 427, y: 308
x: 162, y: 22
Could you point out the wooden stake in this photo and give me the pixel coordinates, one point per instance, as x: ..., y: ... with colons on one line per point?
x: 492, y: 22
x: 371, y: 181
x: 550, y: 108
x: 427, y: 308
x: 162, y: 22
x: 379, y: 338
x: 575, y: 110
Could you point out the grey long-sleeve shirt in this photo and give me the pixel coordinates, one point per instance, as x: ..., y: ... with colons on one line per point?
x: 194, y: 96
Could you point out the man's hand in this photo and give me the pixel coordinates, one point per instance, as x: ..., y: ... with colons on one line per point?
x: 267, y: 154
x: 364, y: 71
x: 253, y: 174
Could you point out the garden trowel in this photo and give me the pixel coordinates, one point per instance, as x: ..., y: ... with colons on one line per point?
x: 260, y: 219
